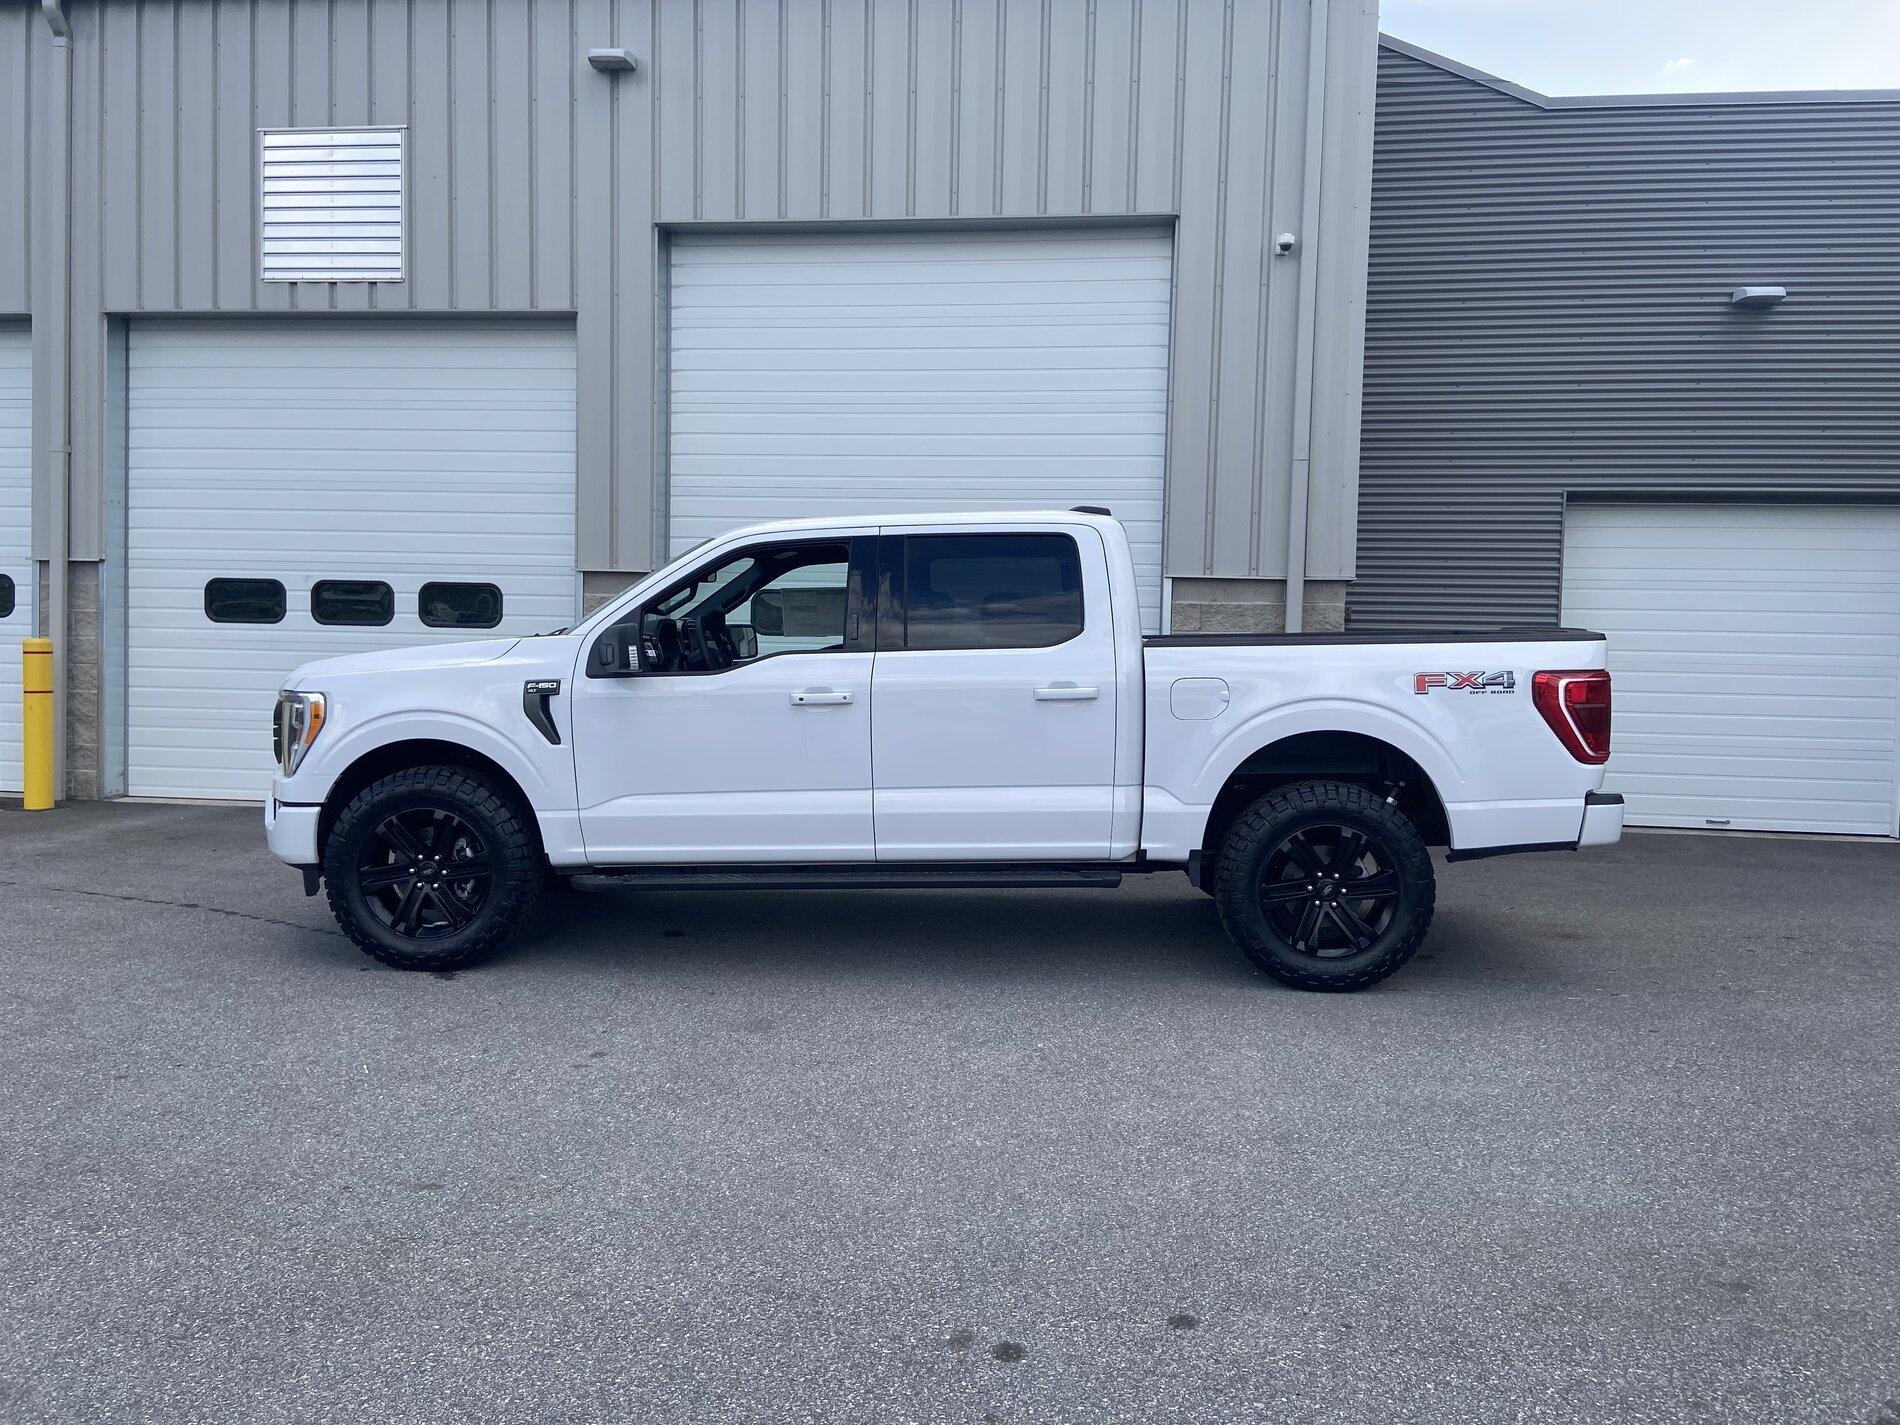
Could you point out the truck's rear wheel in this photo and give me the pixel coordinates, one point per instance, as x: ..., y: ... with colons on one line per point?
x: 1325, y: 886
x: 431, y: 867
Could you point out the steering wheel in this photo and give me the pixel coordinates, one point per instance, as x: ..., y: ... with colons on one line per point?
x: 693, y: 635
x: 663, y: 646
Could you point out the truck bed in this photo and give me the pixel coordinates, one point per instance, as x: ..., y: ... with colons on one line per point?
x: 1457, y: 703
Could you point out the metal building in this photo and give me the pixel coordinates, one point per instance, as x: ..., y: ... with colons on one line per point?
x: 352, y: 322
x: 1634, y: 363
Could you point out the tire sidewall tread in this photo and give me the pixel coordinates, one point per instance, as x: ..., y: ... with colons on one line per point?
x: 515, y: 855
x: 1263, y: 825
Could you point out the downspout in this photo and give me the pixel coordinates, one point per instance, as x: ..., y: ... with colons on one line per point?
x: 1310, y: 234
x: 56, y: 312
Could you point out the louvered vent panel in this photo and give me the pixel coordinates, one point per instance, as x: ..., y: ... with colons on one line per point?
x: 332, y: 205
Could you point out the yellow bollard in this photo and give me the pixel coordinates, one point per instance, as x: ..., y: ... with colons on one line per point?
x: 36, y: 742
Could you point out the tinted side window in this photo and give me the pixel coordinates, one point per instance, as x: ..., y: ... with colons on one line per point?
x: 459, y: 605
x: 244, y: 601
x: 360, y: 603
x: 991, y: 590
x: 6, y: 596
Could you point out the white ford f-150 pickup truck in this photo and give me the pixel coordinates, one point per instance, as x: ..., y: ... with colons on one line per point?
x: 961, y: 700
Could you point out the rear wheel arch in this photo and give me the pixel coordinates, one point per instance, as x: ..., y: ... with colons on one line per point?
x: 1354, y: 758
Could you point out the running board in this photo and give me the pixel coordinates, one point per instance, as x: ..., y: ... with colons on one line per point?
x: 894, y: 877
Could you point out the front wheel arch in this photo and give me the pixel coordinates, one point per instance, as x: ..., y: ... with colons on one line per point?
x: 401, y: 756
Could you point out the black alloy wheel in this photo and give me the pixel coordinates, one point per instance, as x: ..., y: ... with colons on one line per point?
x: 425, y: 873
x: 1330, y: 889
x: 432, y: 867
x: 1325, y: 885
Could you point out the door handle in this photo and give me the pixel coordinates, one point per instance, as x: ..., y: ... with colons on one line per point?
x: 1067, y: 693
x: 819, y: 698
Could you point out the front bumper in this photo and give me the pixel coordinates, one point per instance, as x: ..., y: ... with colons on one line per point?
x: 1602, y: 820
x: 291, y: 831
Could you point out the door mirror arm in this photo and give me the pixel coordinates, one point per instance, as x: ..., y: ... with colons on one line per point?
x: 617, y: 653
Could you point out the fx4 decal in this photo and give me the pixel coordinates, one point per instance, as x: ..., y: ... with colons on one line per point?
x: 1465, y: 682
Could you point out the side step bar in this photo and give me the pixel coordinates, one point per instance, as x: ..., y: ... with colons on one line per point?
x: 846, y: 876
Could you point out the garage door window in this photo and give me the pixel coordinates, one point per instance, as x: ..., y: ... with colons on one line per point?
x: 991, y: 591
x: 6, y: 596
x: 244, y: 601
x: 459, y: 605
x: 355, y: 603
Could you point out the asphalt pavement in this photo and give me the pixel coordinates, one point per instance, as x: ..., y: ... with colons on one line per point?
x: 1620, y: 1146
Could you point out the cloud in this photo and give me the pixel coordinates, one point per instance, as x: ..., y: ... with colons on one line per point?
x: 1674, y: 66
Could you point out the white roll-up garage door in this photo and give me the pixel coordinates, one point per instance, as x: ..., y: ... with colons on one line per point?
x: 351, y: 454
x: 850, y: 375
x: 18, y: 586
x: 1756, y: 657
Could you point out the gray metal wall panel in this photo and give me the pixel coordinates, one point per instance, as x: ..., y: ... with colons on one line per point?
x: 1548, y: 316
x: 538, y: 185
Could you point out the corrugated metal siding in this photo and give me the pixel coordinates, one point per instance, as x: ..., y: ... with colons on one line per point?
x: 537, y: 184
x: 1548, y: 314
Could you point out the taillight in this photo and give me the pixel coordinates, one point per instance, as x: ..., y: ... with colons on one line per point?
x: 1576, y: 704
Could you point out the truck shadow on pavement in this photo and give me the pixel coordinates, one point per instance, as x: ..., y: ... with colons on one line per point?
x: 1133, y: 933
x: 1157, y: 931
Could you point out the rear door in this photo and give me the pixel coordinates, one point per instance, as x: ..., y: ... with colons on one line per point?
x: 993, y: 706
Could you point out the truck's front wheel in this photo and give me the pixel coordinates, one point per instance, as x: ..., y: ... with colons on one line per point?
x: 431, y: 867
x: 1325, y: 886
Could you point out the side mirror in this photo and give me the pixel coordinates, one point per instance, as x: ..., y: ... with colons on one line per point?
x: 616, y: 653
x: 745, y: 640
x: 768, y: 613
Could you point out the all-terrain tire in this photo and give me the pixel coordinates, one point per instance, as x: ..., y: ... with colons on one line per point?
x: 502, y: 829
x: 1263, y: 830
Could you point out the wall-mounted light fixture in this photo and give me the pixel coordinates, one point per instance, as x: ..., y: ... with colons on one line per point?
x: 613, y: 61
x: 1757, y: 297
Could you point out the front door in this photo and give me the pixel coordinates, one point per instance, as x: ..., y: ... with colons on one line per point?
x: 746, y: 733
x: 994, y: 725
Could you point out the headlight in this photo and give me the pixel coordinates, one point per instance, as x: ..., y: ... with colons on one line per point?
x: 299, y: 720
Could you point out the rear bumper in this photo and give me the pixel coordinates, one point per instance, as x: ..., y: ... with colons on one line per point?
x: 292, y: 832
x: 1602, y: 820
x: 1602, y: 825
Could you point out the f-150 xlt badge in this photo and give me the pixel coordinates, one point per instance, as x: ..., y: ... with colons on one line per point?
x: 1465, y: 682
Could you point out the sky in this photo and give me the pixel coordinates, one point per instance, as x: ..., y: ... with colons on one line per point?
x: 1661, y: 46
